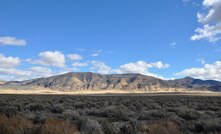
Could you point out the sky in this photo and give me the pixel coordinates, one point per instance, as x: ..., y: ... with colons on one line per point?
x: 165, y: 39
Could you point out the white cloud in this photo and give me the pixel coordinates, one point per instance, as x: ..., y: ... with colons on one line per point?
x: 12, y: 41
x: 39, y: 71
x: 208, y: 71
x: 9, y: 61
x: 101, y: 67
x: 13, y: 71
x: 50, y: 58
x: 96, y: 53
x: 211, y: 21
x: 80, y: 64
x: 74, y: 57
x: 194, y: 3
x: 202, y: 61
x: 213, y: 13
x: 158, y: 65
x: 81, y: 49
x: 173, y: 44
x: 6, y: 78
x: 140, y: 67
x: 211, y: 33
x: 30, y: 73
x: 66, y: 70
x: 8, y: 68
x: 33, y: 72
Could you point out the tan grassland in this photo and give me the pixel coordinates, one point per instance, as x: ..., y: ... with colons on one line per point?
x: 103, y: 92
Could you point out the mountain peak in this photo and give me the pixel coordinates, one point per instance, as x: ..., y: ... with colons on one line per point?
x: 188, y: 77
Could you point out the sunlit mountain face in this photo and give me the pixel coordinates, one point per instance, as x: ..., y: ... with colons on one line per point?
x: 127, y: 82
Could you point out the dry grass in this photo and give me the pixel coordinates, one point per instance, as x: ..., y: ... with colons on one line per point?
x: 20, y: 125
x: 164, y: 127
x: 39, y: 90
x: 15, y: 125
x: 58, y: 126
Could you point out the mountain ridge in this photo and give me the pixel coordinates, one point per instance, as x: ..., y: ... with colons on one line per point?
x: 74, y: 81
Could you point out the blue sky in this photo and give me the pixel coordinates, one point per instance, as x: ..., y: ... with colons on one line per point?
x: 165, y: 39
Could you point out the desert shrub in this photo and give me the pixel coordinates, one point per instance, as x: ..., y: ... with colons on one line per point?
x: 9, y: 110
x: 115, y: 113
x: 81, y: 112
x: 97, y: 112
x: 39, y: 119
x: 79, y: 105
x: 159, y: 114
x: 134, y: 106
x: 218, y: 113
x: 110, y: 128
x: 58, y: 126
x: 213, y: 108
x: 133, y: 123
x: 35, y: 107
x: 70, y: 114
x: 209, y: 126
x: 155, y: 115
x: 57, y: 109
x: 61, y: 100
x: 87, y: 126
x: 127, y: 129
x: 18, y: 106
x: 189, y: 126
x: 172, y: 109
x: 92, y: 127
x: 130, y: 127
x: 152, y: 106
x: 80, y: 121
x: 189, y: 115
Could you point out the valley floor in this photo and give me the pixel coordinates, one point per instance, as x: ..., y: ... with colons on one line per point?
x: 107, y: 92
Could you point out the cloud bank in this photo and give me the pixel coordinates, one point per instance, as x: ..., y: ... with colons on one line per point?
x: 140, y: 67
x: 50, y: 58
x: 208, y: 71
x: 210, y: 18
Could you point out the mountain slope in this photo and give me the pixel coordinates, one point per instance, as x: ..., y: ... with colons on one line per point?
x: 2, y: 82
x: 191, y: 83
x: 93, y: 81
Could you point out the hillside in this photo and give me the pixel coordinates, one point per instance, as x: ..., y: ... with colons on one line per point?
x: 2, y: 82
x: 93, y: 81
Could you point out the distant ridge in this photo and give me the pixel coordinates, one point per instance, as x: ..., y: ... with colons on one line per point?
x: 74, y: 81
x: 2, y: 82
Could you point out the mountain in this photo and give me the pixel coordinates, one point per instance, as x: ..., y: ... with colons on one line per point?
x: 191, y: 83
x: 2, y: 82
x: 93, y: 81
